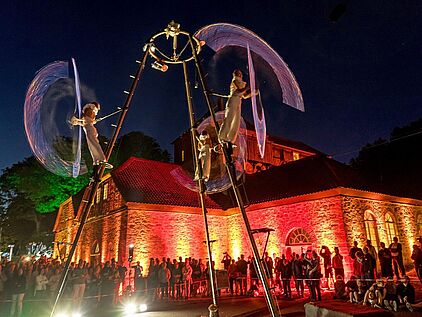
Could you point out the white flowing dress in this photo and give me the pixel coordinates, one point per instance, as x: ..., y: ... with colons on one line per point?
x: 231, y: 123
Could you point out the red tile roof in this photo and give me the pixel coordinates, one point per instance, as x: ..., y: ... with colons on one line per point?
x: 145, y: 181
x: 150, y: 182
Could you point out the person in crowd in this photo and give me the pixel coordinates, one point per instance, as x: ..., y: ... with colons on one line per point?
x: 357, y: 265
x: 269, y: 267
x: 384, y: 256
x: 340, y: 288
x: 277, y: 272
x: 351, y: 288
x: 359, y: 296
x: 371, y: 296
x: 175, y: 280
x: 164, y: 276
x: 372, y: 251
x: 78, y: 279
x: 325, y: 253
x: 337, y: 262
x: 406, y: 293
x: 242, y: 267
x: 368, y: 266
x: 252, y: 273
x: 417, y: 260
x: 354, y: 249
x: 298, y: 275
x: 187, y: 278
x: 397, y: 257
x: 314, y: 275
x: 18, y: 285
x: 390, y: 295
x: 286, y: 276
x: 138, y: 271
x: 227, y: 259
x: 40, y: 289
x: 233, y: 274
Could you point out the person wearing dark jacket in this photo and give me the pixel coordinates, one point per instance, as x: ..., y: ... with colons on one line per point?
x: 417, y: 260
x: 18, y: 283
x: 368, y: 266
x: 384, y: 256
x: 406, y: 293
x: 397, y: 256
x: 297, y: 268
x: 286, y: 276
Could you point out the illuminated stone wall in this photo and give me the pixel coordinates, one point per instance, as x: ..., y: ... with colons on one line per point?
x: 160, y: 231
x: 321, y: 219
x: 173, y: 234
x: 403, y: 214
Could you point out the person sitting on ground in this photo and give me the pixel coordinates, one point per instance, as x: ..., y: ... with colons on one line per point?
x: 340, y: 288
x: 371, y: 296
x: 351, y: 288
x: 406, y: 293
x: 390, y: 295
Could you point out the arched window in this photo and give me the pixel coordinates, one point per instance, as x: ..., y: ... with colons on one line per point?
x: 390, y: 227
x: 419, y: 225
x: 298, y: 237
x: 371, y: 229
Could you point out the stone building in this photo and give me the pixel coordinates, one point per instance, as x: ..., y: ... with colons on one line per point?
x: 309, y: 200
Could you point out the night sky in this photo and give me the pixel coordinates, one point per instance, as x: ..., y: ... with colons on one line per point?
x: 360, y: 76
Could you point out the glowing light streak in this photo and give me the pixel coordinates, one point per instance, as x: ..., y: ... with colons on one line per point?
x: 257, y: 110
x: 220, y: 35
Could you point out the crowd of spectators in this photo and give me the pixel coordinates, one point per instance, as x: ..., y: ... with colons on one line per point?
x: 378, y: 278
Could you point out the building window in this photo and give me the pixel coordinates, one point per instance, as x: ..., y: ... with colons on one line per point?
x: 419, y: 225
x: 390, y: 227
x: 183, y: 155
x: 288, y: 156
x: 105, y: 191
x: 371, y: 229
x: 98, y: 195
x: 298, y: 237
x: 296, y: 156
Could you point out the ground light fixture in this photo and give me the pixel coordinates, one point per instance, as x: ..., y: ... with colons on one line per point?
x: 131, y: 308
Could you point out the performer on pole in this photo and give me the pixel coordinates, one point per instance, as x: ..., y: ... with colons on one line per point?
x: 88, y: 121
x: 230, y: 127
x: 204, y: 148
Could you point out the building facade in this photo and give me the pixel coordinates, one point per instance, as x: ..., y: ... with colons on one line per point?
x: 309, y: 202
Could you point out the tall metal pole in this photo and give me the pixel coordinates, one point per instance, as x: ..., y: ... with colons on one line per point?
x: 232, y: 176
x: 213, y: 309
x: 94, y: 184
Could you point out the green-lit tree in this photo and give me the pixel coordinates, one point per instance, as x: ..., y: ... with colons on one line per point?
x: 29, y: 194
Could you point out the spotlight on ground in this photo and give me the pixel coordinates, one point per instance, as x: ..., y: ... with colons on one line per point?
x: 76, y: 314
x: 143, y: 308
x: 129, y: 308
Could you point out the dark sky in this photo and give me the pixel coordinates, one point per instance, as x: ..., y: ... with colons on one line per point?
x: 360, y: 77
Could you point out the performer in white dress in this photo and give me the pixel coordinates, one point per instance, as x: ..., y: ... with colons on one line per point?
x: 238, y: 90
x: 204, y: 148
x: 88, y: 121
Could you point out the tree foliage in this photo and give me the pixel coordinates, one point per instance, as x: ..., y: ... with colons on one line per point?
x: 138, y: 144
x: 46, y: 191
x: 395, y: 162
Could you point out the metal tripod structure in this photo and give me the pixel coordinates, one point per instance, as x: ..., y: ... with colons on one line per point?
x: 160, y: 63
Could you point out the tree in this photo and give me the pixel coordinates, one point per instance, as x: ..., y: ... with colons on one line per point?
x: 395, y: 162
x: 139, y: 145
x: 29, y: 193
